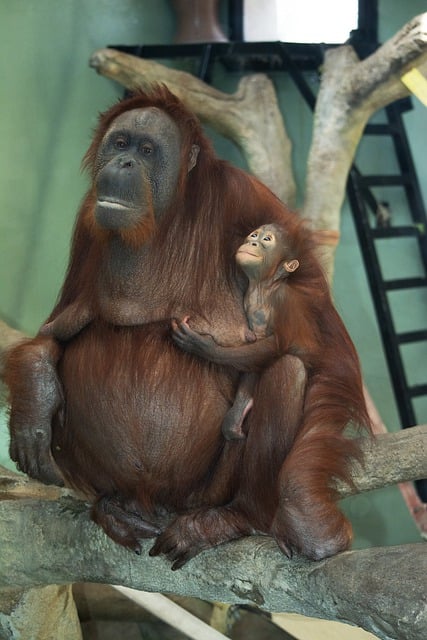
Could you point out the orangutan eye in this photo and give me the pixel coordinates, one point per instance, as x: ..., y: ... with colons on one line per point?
x: 120, y: 143
x: 267, y: 238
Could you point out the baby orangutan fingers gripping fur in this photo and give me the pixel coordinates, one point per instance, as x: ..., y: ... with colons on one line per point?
x: 105, y: 398
x: 265, y: 258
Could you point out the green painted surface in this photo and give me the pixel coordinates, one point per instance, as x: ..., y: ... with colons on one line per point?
x: 48, y: 107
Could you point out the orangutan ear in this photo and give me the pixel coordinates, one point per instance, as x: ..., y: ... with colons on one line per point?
x: 192, y: 160
x: 291, y: 265
x: 285, y: 268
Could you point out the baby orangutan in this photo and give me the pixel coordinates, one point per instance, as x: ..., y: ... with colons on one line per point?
x: 264, y: 258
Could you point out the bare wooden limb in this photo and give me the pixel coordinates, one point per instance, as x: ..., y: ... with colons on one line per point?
x: 62, y: 545
x: 17, y: 486
x: 350, y: 92
x: 378, y: 77
x: 250, y: 116
x: 416, y: 507
x: 390, y: 458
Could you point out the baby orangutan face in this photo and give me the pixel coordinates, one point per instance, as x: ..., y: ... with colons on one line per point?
x: 265, y: 255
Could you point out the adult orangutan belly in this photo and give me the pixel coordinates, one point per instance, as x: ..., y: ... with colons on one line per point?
x: 139, y: 415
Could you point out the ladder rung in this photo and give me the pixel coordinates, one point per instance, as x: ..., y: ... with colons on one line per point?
x: 412, y: 336
x: 379, y: 130
x: 385, y: 181
x: 405, y: 283
x: 418, y: 390
x: 396, y: 232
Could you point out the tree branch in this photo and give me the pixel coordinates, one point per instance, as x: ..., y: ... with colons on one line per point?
x: 350, y: 93
x: 390, y: 458
x: 361, y: 587
x: 378, y: 77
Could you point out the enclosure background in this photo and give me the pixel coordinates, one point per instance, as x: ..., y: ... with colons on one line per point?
x: 49, y: 103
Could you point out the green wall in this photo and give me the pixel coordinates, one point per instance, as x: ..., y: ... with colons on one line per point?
x: 48, y: 107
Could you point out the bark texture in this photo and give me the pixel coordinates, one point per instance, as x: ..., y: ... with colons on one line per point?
x: 361, y: 587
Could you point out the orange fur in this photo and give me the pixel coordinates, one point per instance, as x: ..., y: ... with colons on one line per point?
x: 143, y: 419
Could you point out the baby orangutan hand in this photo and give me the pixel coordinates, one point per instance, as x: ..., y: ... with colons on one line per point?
x: 191, y: 341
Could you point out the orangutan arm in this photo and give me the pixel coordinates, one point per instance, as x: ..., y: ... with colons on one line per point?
x: 253, y: 356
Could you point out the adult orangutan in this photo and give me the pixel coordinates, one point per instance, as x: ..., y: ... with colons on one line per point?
x: 133, y: 420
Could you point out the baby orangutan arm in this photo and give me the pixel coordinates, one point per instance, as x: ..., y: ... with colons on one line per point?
x: 253, y: 356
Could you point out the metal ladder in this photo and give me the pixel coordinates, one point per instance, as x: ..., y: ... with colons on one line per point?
x: 373, y: 223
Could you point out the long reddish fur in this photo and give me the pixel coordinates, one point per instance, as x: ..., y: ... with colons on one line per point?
x: 292, y: 494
